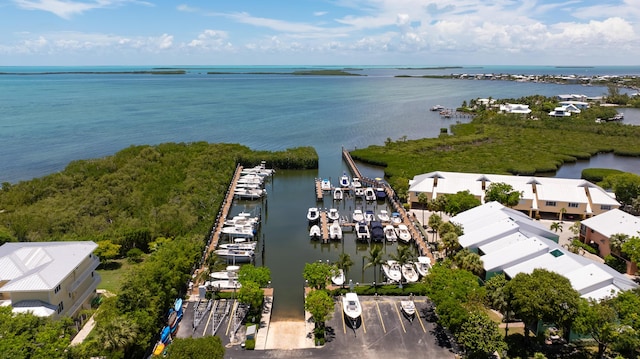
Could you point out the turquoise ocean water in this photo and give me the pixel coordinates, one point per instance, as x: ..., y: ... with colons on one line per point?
x: 48, y: 120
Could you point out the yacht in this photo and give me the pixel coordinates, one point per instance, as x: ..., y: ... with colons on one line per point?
x: 352, y: 308
x: 344, y: 180
x: 423, y: 265
x: 369, y: 194
x: 333, y: 214
x: 338, y: 194
x: 357, y: 215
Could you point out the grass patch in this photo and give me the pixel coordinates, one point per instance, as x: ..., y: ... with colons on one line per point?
x: 111, y: 276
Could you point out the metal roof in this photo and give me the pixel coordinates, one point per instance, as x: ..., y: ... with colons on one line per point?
x: 612, y: 222
x: 38, y: 266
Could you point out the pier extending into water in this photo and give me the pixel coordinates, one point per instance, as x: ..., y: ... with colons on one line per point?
x: 420, y: 241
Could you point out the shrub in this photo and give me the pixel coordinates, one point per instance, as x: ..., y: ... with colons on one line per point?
x: 616, y: 263
x: 134, y: 255
x: 250, y: 344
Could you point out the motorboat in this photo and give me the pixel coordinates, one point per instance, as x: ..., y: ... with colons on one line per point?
x: 390, y: 233
x: 344, y: 180
x: 409, y: 273
x: 255, y: 179
x: 392, y: 270
x: 239, y: 231
x: 355, y: 182
x: 338, y: 194
x: 235, y: 255
x: 225, y: 284
x: 408, y: 308
x: 396, y: 218
x: 325, y: 185
x: 357, y: 215
x: 403, y: 233
x: 358, y: 192
x: 377, y: 232
x: 369, y: 216
x: 338, y: 277
x: 249, y: 185
x: 335, y: 230
x: 230, y: 273
x: 437, y: 108
x: 239, y: 243
x: 249, y: 193
x: 362, y: 231
x: 351, y: 307
x: 260, y: 170
x: 242, y: 219
x: 383, y: 215
x: 369, y: 194
x: 333, y: 214
x: 315, y: 232
x: 381, y: 194
x: 423, y: 265
x: 313, y: 214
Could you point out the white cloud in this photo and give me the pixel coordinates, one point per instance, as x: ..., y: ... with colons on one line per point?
x: 67, y: 8
x: 211, y: 40
x: 320, y: 13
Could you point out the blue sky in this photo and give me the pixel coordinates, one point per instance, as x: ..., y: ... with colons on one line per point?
x: 316, y: 32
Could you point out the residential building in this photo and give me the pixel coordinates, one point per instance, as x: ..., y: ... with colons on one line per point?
x: 597, y: 231
x: 540, y: 196
x: 510, y: 243
x: 48, y: 279
x: 515, y: 108
x: 564, y: 111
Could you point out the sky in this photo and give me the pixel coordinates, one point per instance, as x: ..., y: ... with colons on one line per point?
x: 319, y: 32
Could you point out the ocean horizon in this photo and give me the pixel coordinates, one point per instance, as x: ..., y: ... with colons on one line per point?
x: 49, y: 120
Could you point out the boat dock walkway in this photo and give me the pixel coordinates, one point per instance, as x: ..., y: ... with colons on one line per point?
x: 319, y: 191
x: 324, y: 226
x: 420, y: 241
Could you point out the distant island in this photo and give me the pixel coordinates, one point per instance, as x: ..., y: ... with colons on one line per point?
x: 431, y: 68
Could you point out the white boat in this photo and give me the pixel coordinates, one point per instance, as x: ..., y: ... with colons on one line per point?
x: 358, y: 192
x: 337, y: 194
x: 335, y: 230
x: 260, y: 170
x: 390, y: 233
x: 313, y: 214
x: 423, y: 265
x: 396, y: 219
x: 369, y: 216
x: 338, y: 278
x: 403, y: 233
x: 315, y: 232
x: 362, y: 231
x: 437, y: 108
x: 333, y: 214
x: 239, y: 231
x: 249, y: 185
x: 383, y: 215
x: 357, y: 215
x: 369, y: 194
x: 225, y: 284
x: 325, y: 185
x: 344, y: 180
x: 242, y: 219
x: 392, y: 270
x: 255, y: 179
x: 409, y: 273
x: 235, y: 255
x: 408, y: 308
x: 249, y: 193
x: 239, y: 243
x: 355, y: 182
x: 351, y: 307
x: 230, y: 273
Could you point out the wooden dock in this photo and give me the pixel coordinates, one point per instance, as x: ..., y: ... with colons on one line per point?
x: 420, y: 241
x: 319, y: 192
x: 222, y: 215
x: 324, y: 226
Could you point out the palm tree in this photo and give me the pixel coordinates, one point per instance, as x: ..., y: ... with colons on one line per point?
x: 616, y: 241
x: 469, y: 261
x: 562, y: 212
x: 423, y: 199
x: 434, y: 222
x: 556, y: 226
x: 450, y: 243
x: 117, y: 333
x: 403, y: 255
x: 344, y: 262
x: 374, y: 259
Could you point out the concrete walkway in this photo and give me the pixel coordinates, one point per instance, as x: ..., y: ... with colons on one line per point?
x: 84, y: 332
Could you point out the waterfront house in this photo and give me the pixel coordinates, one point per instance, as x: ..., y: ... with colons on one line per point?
x: 597, y: 231
x: 564, y: 111
x: 516, y: 108
x: 581, y: 105
x: 540, y: 196
x: 48, y: 279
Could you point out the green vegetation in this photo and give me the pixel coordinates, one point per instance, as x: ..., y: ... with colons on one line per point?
x: 152, y: 204
x: 324, y: 73
x: 504, y: 144
x: 208, y: 347
x: 598, y: 174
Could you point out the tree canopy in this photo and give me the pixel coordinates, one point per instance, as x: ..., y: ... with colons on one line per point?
x: 503, y: 193
x: 317, y: 274
x: 207, y: 347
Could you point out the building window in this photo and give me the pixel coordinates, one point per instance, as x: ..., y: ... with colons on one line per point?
x: 551, y: 203
x: 57, y: 289
x: 60, y: 307
x: 574, y: 205
x: 605, y: 207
